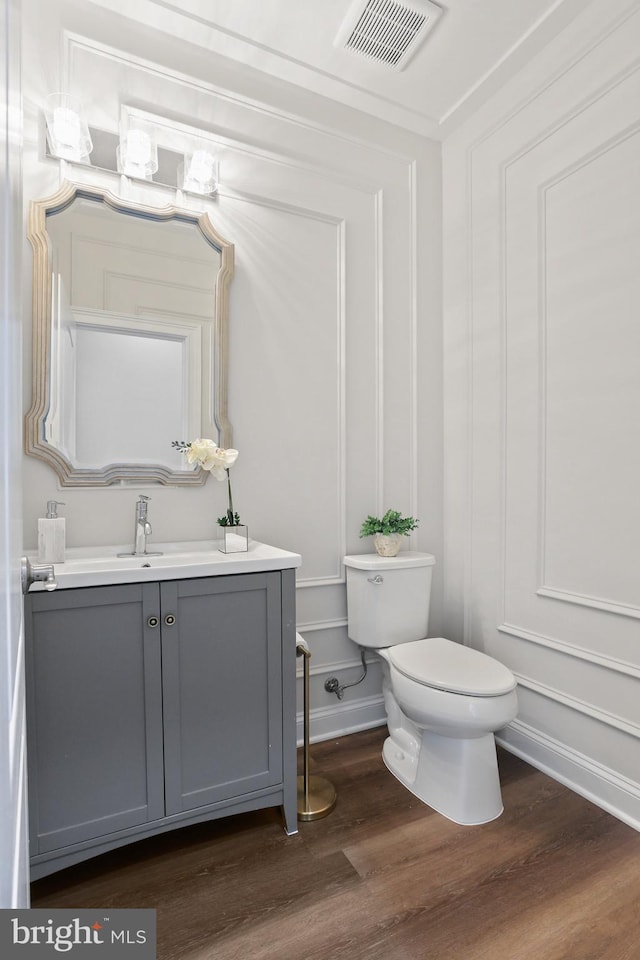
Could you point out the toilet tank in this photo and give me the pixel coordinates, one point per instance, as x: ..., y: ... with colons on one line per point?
x: 388, y: 598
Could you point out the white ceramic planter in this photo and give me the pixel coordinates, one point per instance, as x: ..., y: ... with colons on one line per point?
x: 387, y: 545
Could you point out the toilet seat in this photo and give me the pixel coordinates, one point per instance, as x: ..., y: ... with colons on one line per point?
x: 445, y: 665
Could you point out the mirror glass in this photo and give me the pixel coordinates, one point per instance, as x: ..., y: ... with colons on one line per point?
x: 130, y: 317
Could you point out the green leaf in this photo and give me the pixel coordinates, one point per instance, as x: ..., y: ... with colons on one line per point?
x: 391, y: 522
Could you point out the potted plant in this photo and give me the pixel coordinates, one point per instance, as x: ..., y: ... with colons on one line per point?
x: 388, y: 532
x: 208, y: 455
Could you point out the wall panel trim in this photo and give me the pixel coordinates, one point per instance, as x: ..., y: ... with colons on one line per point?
x: 580, y: 653
x: 584, y: 600
x: 310, y: 626
x: 343, y: 718
x: 503, y: 168
x: 504, y: 119
x: 72, y: 40
x: 581, y: 706
x: 328, y: 581
x: 333, y: 666
x: 594, y: 781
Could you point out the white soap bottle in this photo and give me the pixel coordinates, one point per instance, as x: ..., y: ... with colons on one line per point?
x: 51, y: 535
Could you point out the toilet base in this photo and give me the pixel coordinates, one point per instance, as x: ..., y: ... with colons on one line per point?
x: 457, y: 778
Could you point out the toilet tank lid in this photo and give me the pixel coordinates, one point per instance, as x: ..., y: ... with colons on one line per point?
x: 437, y: 662
x: 371, y: 561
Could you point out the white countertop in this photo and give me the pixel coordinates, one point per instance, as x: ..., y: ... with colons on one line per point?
x: 98, y: 566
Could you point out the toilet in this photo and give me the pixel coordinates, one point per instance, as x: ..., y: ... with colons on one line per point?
x: 443, y: 700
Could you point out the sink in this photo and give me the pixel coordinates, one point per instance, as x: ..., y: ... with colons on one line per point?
x: 89, y: 566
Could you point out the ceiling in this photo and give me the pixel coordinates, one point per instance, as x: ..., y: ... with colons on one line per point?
x: 474, y: 47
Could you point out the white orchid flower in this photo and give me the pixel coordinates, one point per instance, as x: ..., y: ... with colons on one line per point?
x: 211, y: 457
x: 199, y: 450
x: 217, y: 461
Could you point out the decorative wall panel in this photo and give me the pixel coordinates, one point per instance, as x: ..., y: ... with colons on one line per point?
x: 334, y: 332
x: 542, y: 219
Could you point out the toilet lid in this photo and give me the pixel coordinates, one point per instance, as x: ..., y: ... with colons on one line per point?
x: 446, y: 665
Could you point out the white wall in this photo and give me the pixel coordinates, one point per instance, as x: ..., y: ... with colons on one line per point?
x: 335, y: 315
x: 14, y: 861
x: 542, y: 400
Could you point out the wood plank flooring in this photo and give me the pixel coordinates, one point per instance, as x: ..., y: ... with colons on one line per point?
x: 383, y: 877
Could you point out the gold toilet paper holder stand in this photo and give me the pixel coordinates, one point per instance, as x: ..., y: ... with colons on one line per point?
x: 316, y: 795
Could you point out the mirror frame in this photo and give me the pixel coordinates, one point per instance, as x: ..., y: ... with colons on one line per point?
x: 214, y: 388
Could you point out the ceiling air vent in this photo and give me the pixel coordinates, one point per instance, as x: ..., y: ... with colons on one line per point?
x: 387, y: 31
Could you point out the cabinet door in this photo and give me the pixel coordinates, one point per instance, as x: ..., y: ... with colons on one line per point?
x: 222, y: 684
x: 94, y: 713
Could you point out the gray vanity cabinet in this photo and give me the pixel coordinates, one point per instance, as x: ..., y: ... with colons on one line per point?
x: 222, y: 688
x: 153, y: 705
x: 94, y: 719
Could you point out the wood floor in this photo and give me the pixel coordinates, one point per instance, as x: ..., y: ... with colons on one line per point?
x: 554, y: 878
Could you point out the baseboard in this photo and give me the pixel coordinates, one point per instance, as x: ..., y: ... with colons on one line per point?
x: 342, y: 718
x: 597, y: 783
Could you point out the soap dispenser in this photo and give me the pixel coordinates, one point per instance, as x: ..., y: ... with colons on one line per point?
x: 51, y: 535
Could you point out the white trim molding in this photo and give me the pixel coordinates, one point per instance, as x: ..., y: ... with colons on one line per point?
x: 579, y: 705
x: 599, y: 784
x: 342, y: 718
x: 572, y: 650
x: 584, y: 600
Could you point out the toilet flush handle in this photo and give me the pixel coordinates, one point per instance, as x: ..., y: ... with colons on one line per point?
x: 376, y: 579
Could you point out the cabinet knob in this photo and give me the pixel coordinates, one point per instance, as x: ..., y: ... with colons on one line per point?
x: 169, y: 620
x: 152, y: 621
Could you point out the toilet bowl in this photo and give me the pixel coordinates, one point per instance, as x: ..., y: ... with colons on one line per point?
x: 450, y: 700
x: 443, y: 700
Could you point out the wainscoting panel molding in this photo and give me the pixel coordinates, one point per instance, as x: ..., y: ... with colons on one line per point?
x: 542, y: 239
x: 334, y: 309
x: 595, y: 781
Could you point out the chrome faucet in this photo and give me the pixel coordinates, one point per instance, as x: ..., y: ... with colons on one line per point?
x: 141, y: 532
x: 142, y: 528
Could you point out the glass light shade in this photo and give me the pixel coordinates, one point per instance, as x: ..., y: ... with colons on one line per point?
x: 67, y: 130
x: 199, y: 174
x: 137, y: 154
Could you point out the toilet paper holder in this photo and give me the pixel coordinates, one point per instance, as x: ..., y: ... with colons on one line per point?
x: 316, y: 795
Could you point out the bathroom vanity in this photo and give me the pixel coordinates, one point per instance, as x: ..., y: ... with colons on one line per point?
x: 160, y: 692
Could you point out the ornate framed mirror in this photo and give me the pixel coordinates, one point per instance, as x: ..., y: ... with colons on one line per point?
x: 130, y: 317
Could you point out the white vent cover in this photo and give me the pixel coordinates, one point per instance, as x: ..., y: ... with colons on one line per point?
x: 387, y: 31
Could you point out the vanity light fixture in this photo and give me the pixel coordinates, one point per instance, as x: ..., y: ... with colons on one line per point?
x: 145, y: 147
x: 199, y: 172
x: 137, y: 154
x: 67, y: 131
